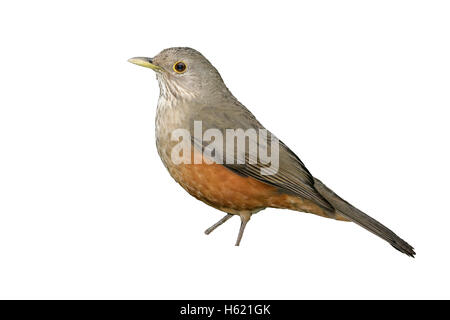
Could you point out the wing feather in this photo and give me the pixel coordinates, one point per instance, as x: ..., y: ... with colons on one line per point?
x: 292, y: 176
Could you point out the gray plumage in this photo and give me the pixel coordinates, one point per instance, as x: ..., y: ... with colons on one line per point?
x: 199, y: 93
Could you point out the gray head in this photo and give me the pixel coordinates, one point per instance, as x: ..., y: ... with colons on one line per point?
x: 185, y: 74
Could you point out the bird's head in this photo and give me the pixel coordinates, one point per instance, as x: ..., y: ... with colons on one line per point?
x: 184, y: 73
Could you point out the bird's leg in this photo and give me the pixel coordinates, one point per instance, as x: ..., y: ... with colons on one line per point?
x: 244, y: 219
x: 218, y: 223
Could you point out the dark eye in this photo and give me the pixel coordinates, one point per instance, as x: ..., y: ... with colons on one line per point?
x: 179, y: 67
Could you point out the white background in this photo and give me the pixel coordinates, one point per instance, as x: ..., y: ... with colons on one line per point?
x: 358, y: 89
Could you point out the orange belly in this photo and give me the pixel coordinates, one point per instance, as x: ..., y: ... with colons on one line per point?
x: 225, y: 190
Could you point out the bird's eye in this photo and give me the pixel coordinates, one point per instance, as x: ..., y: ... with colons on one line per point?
x: 179, y: 67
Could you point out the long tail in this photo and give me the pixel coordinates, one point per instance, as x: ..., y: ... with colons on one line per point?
x: 362, y: 219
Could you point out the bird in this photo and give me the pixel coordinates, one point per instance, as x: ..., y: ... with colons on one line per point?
x: 233, y: 181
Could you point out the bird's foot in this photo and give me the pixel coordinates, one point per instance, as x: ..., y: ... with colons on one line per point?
x: 218, y: 223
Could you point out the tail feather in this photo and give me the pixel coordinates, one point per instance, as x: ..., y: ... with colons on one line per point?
x: 362, y: 219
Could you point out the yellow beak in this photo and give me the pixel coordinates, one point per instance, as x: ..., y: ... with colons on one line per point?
x: 145, y: 62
